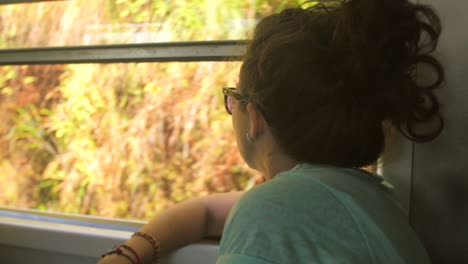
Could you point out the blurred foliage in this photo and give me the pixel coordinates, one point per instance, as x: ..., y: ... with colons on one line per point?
x: 81, y: 22
x: 119, y: 140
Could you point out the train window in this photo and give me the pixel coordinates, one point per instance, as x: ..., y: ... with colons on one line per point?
x: 89, y: 138
x: 81, y: 22
x: 126, y: 127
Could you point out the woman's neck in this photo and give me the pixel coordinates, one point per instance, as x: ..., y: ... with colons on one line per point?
x: 276, y: 164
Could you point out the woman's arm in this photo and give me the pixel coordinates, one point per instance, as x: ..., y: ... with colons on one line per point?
x: 183, y: 224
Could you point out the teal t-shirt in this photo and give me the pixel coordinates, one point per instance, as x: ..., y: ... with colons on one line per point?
x: 319, y: 214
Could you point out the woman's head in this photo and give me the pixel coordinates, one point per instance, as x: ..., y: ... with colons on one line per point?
x: 326, y: 78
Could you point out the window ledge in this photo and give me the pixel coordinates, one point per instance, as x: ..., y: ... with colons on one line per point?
x: 84, y: 238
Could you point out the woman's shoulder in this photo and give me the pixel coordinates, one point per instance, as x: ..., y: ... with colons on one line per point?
x: 297, y: 192
x: 308, y: 183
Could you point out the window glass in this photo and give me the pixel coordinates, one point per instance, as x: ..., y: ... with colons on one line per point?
x: 82, y: 22
x: 117, y: 140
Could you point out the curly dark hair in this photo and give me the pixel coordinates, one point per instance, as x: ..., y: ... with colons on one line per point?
x: 329, y: 76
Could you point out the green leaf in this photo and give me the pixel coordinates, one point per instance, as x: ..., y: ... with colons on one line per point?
x: 29, y: 79
x: 7, y: 91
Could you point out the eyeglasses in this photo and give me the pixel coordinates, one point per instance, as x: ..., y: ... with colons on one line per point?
x: 229, y: 95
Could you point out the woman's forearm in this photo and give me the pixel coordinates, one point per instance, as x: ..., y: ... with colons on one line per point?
x: 183, y: 224
x: 180, y: 225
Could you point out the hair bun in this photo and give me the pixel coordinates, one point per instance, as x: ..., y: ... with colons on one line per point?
x: 386, y: 48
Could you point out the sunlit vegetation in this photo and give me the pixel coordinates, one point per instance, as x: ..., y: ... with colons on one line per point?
x: 119, y: 140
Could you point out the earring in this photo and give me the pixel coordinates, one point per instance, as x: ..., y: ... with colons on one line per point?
x: 249, y: 137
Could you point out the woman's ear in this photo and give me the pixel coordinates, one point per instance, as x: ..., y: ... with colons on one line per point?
x: 256, y: 121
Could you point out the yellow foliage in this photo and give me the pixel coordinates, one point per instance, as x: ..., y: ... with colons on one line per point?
x: 119, y: 140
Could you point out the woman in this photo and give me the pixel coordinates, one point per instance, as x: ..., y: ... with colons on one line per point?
x: 318, y: 87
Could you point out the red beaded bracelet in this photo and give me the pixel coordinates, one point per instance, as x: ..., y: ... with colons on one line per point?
x: 135, y: 254
x: 152, y: 241
x: 118, y: 251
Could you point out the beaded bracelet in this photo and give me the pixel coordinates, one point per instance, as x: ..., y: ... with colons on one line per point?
x: 135, y: 254
x: 152, y: 241
x: 117, y: 250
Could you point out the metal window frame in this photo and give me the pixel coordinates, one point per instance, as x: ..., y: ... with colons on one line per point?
x: 229, y: 50
x: 30, y: 234
x: 8, y: 2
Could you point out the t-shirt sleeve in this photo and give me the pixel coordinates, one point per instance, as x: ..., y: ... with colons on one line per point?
x: 246, y: 238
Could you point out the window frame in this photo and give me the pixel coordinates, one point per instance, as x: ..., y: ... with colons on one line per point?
x: 194, y: 51
x: 9, y: 2
x: 33, y: 236
x: 92, y: 235
x: 189, y: 51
